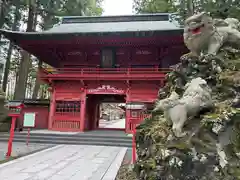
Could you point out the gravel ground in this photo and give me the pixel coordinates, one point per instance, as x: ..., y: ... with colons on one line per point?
x: 21, y: 149
x: 125, y: 172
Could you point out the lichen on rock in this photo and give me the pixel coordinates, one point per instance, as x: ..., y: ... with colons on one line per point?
x: 208, y: 146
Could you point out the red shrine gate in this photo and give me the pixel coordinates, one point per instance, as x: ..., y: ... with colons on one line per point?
x: 123, y: 61
x: 76, y: 108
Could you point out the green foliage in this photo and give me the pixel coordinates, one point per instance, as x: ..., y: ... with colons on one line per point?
x: 223, y: 8
x: 185, y: 8
x: 49, y: 10
x: 154, y: 6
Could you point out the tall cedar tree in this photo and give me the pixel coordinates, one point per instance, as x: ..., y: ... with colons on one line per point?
x: 26, y: 59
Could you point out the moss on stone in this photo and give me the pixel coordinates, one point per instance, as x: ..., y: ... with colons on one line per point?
x: 163, y: 156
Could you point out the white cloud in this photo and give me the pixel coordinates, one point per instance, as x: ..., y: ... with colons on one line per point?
x: 117, y: 7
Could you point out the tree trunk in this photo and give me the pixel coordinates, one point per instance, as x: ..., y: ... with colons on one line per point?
x: 26, y: 58
x: 16, y: 82
x: 7, y: 66
x: 182, y: 11
x: 4, y: 7
x: 47, y: 23
x: 21, y: 84
x: 1, y: 13
x: 37, y: 82
x: 9, y: 53
x: 190, y: 7
x: 42, y: 93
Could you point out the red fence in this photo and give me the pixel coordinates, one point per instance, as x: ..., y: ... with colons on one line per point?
x: 66, y: 125
x: 135, y: 122
x: 144, y: 116
x: 67, y: 116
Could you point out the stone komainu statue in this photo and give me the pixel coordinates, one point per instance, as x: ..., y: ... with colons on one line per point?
x: 203, y: 34
x: 197, y: 96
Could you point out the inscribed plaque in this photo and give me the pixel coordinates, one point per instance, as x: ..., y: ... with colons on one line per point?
x: 29, y: 120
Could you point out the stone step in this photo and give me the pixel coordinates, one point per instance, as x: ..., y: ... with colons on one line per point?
x: 99, y: 137
x: 103, y: 139
x: 92, y: 134
x: 89, y: 137
x: 101, y: 142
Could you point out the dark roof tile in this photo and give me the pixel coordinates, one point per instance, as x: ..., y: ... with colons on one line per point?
x: 134, y: 26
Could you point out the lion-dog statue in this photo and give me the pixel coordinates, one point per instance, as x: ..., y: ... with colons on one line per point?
x: 196, y: 97
x: 203, y: 34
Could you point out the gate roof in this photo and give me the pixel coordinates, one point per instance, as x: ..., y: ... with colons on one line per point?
x: 97, y: 25
x: 77, y: 31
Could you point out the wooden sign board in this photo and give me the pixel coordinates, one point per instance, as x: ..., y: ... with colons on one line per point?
x: 29, y: 120
x: 105, y: 89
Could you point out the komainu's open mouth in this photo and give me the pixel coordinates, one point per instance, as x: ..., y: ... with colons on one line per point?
x: 196, y: 30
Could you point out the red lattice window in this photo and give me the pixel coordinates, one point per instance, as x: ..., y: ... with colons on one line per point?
x: 68, y: 107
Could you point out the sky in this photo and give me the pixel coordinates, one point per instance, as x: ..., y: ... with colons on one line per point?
x: 117, y: 7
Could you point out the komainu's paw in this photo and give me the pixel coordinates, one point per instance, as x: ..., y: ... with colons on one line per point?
x: 178, y: 133
x: 186, y: 56
x: 207, y: 57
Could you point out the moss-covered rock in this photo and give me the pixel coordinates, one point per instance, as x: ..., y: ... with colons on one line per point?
x: 195, y: 156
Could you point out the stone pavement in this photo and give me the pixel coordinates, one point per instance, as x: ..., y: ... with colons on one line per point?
x: 45, y: 131
x: 103, y: 123
x: 117, y: 124
x: 20, y: 149
x: 66, y: 162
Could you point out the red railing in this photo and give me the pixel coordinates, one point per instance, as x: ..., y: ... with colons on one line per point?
x: 89, y: 71
x: 104, y: 73
x: 144, y: 116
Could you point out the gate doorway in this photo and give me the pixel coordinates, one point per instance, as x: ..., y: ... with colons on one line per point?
x: 112, y: 116
x: 103, y: 110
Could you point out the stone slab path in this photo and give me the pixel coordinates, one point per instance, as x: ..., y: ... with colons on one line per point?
x: 117, y: 124
x: 45, y: 131
x: 66, y: 162
x: 20, y: 149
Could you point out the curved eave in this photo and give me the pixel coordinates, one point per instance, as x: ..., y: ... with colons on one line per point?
x: 28, y: 41
x: 37, y: 43
x: 16, y: 36
x: 25, y: 39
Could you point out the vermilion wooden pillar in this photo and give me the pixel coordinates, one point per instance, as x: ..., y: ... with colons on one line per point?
x: 82, y: 112
x: 11, y: 136
x: 127, y: 112
x: 134, y: 151
x: 127, y: 121
x: 97, y: 115
x: 52, y: 109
